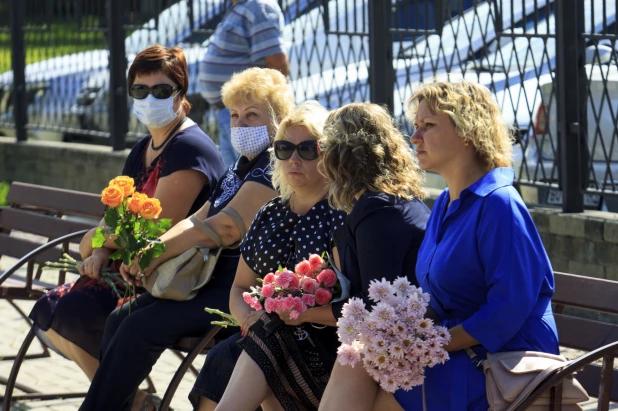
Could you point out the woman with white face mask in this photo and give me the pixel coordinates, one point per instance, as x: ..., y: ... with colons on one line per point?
x: 176, y: 163
x: 258, y: 99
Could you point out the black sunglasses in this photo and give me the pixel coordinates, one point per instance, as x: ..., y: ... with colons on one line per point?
x: 160, y: 91
x: 307, y: 150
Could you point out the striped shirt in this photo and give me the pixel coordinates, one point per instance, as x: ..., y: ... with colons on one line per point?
x: 250, y: 31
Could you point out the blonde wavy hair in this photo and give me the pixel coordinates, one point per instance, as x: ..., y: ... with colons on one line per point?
x: 475, y: 115
x: 363, y: 149
x: 310, y: 115
x: 261, y: 84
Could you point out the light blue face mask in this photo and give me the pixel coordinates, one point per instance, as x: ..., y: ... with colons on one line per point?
x: 250, y: 141
x: 155, y: 113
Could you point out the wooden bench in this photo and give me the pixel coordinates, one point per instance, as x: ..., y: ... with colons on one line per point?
x: 574, y: 294
x: 40, y: 225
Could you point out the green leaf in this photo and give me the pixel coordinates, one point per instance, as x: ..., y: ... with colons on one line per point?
x: 145, y: 259
x: 118, y: 254
x: 164, y: 224
x: 158, y: 248
x: 111, y: 217
x: 99, y: 238
x: 126, y: 257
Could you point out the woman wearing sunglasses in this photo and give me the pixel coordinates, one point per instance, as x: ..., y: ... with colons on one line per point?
x: 286, y: 230
x: 258, y: 99
x: 72, y: 317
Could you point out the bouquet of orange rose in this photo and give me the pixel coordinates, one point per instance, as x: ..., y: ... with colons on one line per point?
x: 131, y: 222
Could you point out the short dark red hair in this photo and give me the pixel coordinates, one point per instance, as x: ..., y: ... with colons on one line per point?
x: 170, y: 61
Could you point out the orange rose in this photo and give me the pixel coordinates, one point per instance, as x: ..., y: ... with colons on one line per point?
x: 124, y: 182
x: 135, y: 201
x: 150, y: 208
x: 112, y: 196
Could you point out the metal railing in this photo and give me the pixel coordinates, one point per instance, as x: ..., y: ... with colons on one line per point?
x: 550, y: 64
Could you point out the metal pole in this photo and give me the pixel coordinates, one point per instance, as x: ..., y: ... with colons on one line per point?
x: 118, y: 106
x: 569, y: 96
x: 18, y: 61
x: 381, y: 72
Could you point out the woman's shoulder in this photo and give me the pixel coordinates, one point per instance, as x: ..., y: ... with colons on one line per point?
x: 192, y: 139
x: 385, y: 210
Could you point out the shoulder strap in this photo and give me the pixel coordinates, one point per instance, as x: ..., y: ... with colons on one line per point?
x: 237, y: 219
x: 206, y: 229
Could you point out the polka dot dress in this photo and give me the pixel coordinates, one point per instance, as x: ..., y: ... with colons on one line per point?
x: 278, y: 236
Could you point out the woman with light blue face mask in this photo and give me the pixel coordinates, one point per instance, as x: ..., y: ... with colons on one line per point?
x: 176, y: 163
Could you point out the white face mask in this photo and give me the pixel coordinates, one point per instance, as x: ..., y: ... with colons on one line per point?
x: 250, y: 141
x: 153, y: 112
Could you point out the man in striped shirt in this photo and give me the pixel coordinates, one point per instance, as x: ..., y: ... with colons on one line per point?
x: 250, y: 35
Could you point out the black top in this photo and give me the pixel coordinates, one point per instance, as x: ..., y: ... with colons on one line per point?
x: 190, y: 149
x: 242, y: 171
x: 278, y: 236
x: 381, y: 238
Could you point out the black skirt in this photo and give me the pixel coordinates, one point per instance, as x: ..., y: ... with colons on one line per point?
x: 296, y: 360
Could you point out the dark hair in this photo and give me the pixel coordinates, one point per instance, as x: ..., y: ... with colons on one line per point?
x: 170, y: 61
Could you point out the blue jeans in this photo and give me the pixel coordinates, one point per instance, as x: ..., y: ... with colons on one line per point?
x: 225, y: 140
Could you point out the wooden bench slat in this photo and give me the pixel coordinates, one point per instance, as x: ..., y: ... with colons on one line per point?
x: 584, y: 334
x: 39, y: 224
x: 586, y: 292
x: 18, y: 247
x: 51, y: 198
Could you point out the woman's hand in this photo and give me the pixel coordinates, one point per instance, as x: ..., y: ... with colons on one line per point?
x: 285, y: 317
x: 249, y: 321
x: 92, y: 265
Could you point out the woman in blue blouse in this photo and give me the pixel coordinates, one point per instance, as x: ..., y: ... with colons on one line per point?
x: 482, y: 260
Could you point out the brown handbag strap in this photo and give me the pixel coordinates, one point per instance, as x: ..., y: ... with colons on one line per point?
x: 239, y: 223
x: 207, y: 230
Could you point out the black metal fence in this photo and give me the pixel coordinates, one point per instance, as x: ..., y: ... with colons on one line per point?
x: 551, y: 65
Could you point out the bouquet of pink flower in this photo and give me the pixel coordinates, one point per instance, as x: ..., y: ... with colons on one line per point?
x: 394, y: 340
x: 311, y: 284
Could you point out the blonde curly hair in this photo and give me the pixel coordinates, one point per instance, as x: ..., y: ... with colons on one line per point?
x: 261, y: 84
x: 363, y: 149
x: 475, y: 115
x: 310, y: 115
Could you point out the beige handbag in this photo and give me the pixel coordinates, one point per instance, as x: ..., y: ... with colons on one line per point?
x: 181, y: 278
x: 511, y: 376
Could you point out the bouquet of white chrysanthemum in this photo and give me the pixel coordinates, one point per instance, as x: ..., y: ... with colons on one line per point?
x: 394, y: 340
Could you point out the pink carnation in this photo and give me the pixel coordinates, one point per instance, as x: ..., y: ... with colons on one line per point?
x: 309, y: 300
x: 308, y: 285
x: 316, y: 262
x: 295, y: 281
x: 303, y: 268
x: 283, y: 280
x: 294, y: 315
x: 247, y: 297
x: 298, y: 305
x: 286, y: 303
x: 271, y: 305
x: 322, y: 296
x: 268, y: 290
x: 269, y: 278
x: 328, y: 277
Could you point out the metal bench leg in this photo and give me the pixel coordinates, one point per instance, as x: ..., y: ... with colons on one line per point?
x: 10, y: 386
x: 184, y: 366
x: 182, y: 357
x: 44, y: 354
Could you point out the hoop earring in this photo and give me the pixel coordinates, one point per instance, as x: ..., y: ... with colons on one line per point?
x: 466, y: 142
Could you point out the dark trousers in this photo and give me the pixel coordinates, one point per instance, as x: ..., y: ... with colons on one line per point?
x: 132, y: 343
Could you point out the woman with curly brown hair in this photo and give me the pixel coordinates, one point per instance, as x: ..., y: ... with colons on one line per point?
x: 373, y: 177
